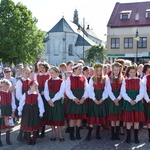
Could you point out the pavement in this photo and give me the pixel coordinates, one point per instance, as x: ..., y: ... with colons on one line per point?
x: 104, y: 144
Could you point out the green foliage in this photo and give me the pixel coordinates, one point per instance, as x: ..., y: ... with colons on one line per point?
x: 95, y: 52
x: 20, y: 39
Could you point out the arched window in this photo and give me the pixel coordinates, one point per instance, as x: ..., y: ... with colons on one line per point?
x: 70, y: 50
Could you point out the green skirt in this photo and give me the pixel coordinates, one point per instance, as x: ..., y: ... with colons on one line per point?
x: 137, y: 107
x: 30, y: 118
x: 73, y: 108
x: 55, y: 115
x: 113, y: 109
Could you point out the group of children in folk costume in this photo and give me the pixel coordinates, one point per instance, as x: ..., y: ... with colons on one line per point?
x: 113, y: 98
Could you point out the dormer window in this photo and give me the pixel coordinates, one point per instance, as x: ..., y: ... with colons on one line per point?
x: 125, y: 14
x: 148, y: 13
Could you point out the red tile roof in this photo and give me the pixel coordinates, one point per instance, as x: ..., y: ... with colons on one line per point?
x: 139, y: 7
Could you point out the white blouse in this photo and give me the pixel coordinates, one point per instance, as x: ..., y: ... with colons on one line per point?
x: 69, y: 92
x: 92, y: 93
x: 13, y: 104
x: 40, y: 74
x: 19, y: 88
x: 138, y: 97
x: 146, y: 97
x: 40, y: 103
x: 109, y: 90
x: 58, y: 95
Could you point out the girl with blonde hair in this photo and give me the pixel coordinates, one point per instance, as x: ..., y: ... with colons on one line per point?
x: 97, y: 93
x: 115, y: 101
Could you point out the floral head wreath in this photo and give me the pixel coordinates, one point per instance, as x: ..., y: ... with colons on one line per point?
x: 132, y: 67
x: 43, y: 63
x: 116, y: 64
x: 97, y: 65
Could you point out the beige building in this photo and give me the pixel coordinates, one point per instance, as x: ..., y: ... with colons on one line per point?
x: 128, y: 32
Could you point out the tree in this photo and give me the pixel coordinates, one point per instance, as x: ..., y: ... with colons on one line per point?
x: 20, y: 39
x: 95, y: 53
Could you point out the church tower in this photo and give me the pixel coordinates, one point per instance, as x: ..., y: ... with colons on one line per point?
x: 75, y: 17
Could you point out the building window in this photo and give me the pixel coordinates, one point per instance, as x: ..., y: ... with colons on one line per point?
x: 128, y: 42
x: 125, y: 14
x: 115, y: 43
x: 148, y: 13
x: 142, y: 43
x: 70, y: 50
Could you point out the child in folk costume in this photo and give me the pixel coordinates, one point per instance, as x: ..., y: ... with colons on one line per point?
x: 53, y: 92
x: 7, y: 108
x: 146, y: 81
x: 41, y: 77
x: 97, y: 95
x: 22, y: 86
x: 31, y: 108
x: 132, y: 91
x: 115, y: 100
x: 77, y: 92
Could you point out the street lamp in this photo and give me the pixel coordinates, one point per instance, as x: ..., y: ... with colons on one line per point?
x: 83, y: 31
x: 137, y: 39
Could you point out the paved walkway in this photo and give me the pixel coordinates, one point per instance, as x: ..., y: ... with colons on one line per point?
x: 104, y: 144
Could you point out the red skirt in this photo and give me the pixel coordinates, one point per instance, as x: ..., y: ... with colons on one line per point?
x: 98, y: 120
x: 133, y: 116
x: 55, y: 123
x: 29, y: 129
x: 104, y: 120
x: 76, y: 116
x: 94, y: 120
x: 147, y: 121
x: 115, y: 117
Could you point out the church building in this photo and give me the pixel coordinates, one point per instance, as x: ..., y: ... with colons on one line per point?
x: 68, y: 40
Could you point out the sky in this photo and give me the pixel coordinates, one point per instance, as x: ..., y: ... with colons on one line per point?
x: 95, y: 12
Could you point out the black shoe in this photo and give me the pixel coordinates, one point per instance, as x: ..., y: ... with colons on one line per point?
x: 88, y: 137
x: 1, y: 144
x: 128, y: 138
x: 117, y: 133
x: 61, y: 139
x: 98, y: 137
x: 112, y: 133
x: 53, y: 139
x: 71, y: 130
x: 136, y: 140
x: 8, y: 142
x: 72, y: 138
x: 98, y: 133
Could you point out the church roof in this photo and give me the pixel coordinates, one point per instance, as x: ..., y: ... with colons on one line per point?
x: 62, y: 26
x: 68, y: 26
x: 80, y: 41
